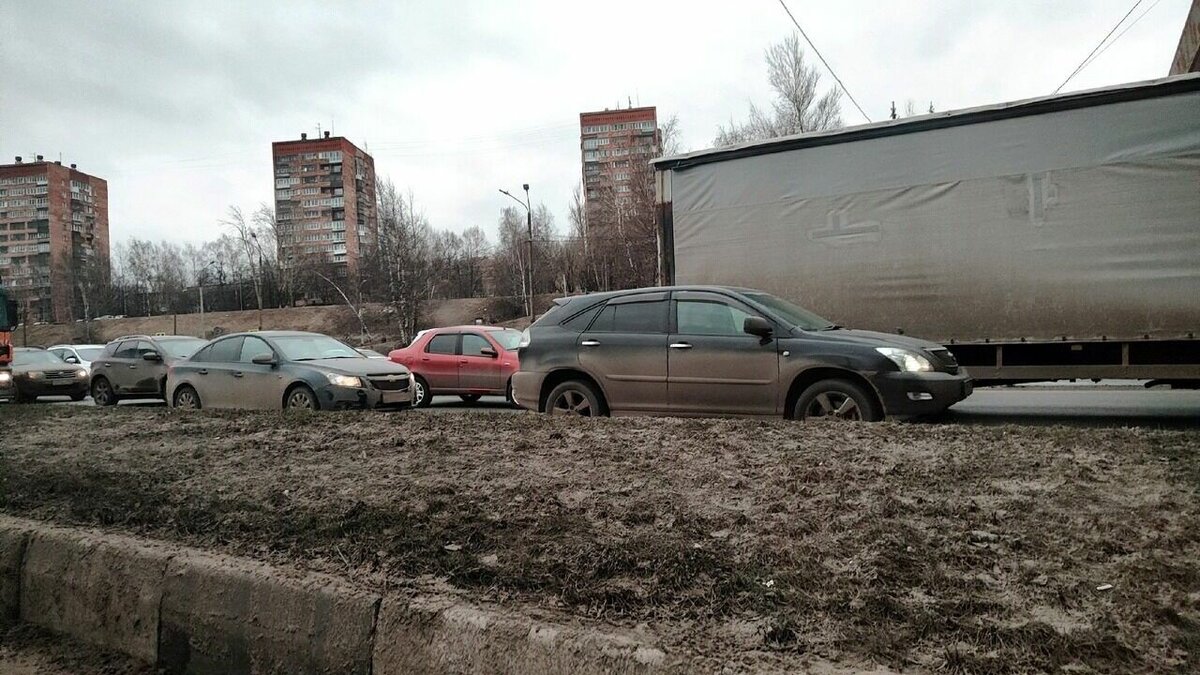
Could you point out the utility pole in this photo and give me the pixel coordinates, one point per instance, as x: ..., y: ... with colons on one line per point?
x: 529, y: 241
x: 200, y: 282
x: 529, y: 223
x: 258, y: 284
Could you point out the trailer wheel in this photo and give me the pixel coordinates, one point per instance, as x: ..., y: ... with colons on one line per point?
x: 836, y: 399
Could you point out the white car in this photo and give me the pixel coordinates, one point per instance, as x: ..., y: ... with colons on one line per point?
x: 81, y: 355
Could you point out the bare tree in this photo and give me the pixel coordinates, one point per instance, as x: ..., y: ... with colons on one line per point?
x: 475, y: 249
x: 248, y: 237
x: 400, y: 265
x: 798, y: 106
x: 671, y: 133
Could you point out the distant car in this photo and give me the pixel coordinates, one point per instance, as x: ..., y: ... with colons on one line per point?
x: 37, y: 372
x: 713, y: 350
x: 285, y: 369
x: 468, y: 361
x: 135, y: 366
x: 82, y: 355
x: 370, y: 353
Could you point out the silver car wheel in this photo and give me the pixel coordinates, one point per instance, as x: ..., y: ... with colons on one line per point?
x: 301, y: 399
x: 187, y: 399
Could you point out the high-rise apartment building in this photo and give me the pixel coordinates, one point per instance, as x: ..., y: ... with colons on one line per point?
x: 53, y: 237
x: 617, y: 146
x: 324, y: 200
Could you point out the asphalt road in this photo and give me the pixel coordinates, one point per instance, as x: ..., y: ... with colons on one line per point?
x: 1096, y: 406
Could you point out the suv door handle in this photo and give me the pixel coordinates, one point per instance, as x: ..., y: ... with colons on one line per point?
x: 590, y: 343
x: 133, y: 367
x: 237, y: 373
x: 681, y: 345
x: 203, y: 371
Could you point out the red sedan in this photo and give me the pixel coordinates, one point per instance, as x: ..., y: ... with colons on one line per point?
x: 470, y: 361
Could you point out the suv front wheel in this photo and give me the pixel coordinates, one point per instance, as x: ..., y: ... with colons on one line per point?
x: 102, y: 392
x: 836, y: 399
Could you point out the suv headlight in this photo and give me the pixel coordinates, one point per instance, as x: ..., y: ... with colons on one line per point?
x: 5, y: 377
x: 526, y: 338
x: 35, y: 374
x: 907, y: 361
x: 80, y: 374
x: 343, y: 380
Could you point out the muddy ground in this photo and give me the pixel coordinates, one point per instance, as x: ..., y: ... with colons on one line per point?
x: 25, y: 650
x: 757, y: 544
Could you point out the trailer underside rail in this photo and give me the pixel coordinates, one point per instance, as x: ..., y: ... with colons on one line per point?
x: 1170, y: 361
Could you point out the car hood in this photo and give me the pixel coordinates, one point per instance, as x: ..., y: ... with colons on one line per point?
x: 363, y: 366
x: 870, y: 338
x: 44, y: 367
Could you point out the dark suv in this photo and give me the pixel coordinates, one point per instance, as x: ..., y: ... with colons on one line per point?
x: 710, y: 350
x: 135, y: 366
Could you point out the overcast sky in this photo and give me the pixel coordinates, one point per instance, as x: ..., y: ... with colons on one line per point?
x: 176, y: 103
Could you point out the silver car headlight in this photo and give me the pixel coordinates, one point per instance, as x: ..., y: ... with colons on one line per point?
x: 343, y: 380
x: 5, y: 378
x: 35, y: 374
x: 907, y: 361
x: 80, y: 374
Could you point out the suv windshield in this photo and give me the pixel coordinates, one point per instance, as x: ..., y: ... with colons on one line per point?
x: 796, y: 316
x: 180, y: 348
x: 312, y: 347
x: 508, y: 338
x: 36, y: 358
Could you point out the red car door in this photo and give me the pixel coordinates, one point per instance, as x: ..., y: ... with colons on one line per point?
x: 438, y: 362
x: 479, y: 365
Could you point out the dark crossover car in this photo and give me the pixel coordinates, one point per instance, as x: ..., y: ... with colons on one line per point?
x: 37, y: 372
x: 710, y: 350
x: 135, y: 366
x: 285, y: 369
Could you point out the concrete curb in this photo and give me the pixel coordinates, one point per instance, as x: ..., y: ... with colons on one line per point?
x: 188, y: 611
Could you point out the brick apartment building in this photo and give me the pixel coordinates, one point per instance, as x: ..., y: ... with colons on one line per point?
x: 615, y: 146
x: 324, y: 200
x: 1187, y: 54
x: 53, y: 237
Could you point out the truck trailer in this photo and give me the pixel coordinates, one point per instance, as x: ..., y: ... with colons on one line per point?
x: 1046, y: 239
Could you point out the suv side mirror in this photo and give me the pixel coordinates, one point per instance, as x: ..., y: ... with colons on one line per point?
x: 265, y: 360
x: 71, y: 359
x: 488, y: 351
x: 756, y: 325
x: 152, y: 356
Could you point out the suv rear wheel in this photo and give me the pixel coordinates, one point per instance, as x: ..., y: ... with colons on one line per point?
x: 574, y: 397
x: 836, y: 399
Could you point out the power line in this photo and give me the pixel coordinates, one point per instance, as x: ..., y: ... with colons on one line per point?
x: 1083, y: 63
x: 1118, y: 37
x: 827, y: 66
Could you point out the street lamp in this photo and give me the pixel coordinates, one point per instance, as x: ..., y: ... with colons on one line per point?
x: 200, y: 283
x: 529, y: 241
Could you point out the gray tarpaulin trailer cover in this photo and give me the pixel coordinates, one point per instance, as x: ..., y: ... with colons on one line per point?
x: 1067, y: 219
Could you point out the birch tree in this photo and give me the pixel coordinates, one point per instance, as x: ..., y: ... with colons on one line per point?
x: 798, y: 106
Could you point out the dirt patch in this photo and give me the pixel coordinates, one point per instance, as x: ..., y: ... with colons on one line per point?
x: 26, y: 650
x: 754, y: 543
